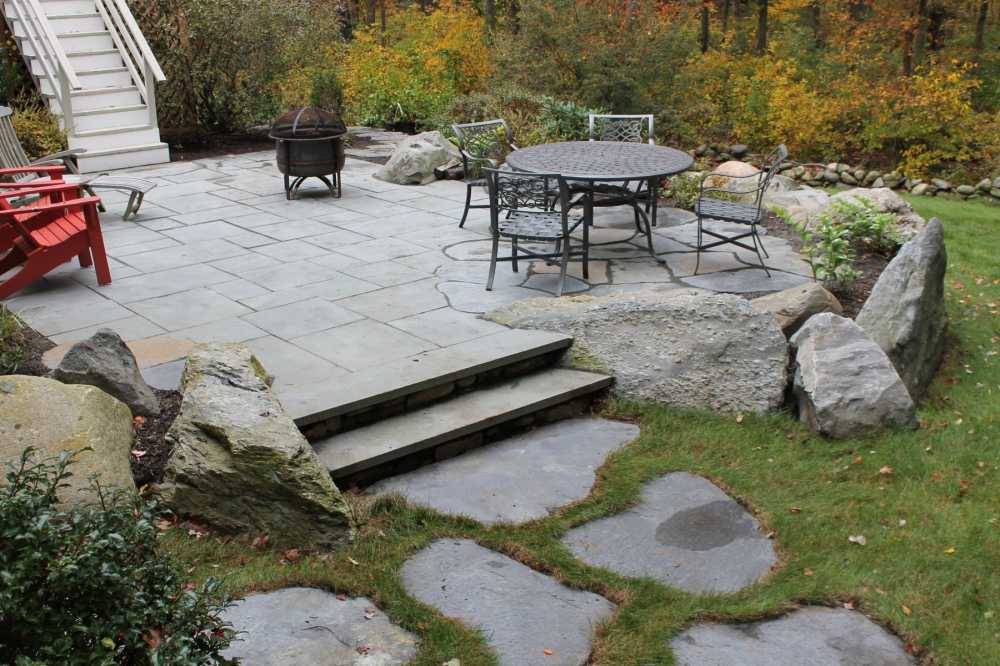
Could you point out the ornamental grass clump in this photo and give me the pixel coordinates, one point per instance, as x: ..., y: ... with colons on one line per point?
x: 88, y: 585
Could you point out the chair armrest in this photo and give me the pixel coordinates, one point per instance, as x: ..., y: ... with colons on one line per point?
x: 61, y: 156
x: 61, y: 205
x: 17, y: 193
x: 514, y: 146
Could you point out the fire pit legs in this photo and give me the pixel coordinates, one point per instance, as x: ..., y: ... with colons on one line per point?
x: 292, y: 185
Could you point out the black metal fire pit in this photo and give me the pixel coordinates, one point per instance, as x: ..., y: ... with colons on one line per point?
x: 310, y: 144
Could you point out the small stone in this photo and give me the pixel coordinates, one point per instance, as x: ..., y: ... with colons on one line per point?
x: 965, y: 190
x: 859, y: 174
x: 519, y: 611
x: 105, y: 361
x: 686, y: 533
x: 995, y: 193
x: 879, y: 182
x: 848, y: 179
x: 845, y: 384
x: 921, y: 189
x: 996, y: 183
x: 302, y: 625
x: 941, y: 184
x: 806, y: 636
x: 738, y: 150
x: 792, y: 307
x: 984, y: 185
x: 831, y: 176
x: 842, y: 168
x: 701, y: 150
x: 871, y: 177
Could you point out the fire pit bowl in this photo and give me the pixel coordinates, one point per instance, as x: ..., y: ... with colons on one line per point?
x: 310, y: 144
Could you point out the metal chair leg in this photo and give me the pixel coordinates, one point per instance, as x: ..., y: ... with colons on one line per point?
x: 513, y: 253
x: 493, y: 263
x: 562, y: 269
x: 757, y: 245
x: 697, y: 259
x: 130, y: 207
x: 468, y: 201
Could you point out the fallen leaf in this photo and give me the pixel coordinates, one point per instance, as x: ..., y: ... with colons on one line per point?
x: 739, y: 418
x: 902, y: 522
x: 808, y: 572
x: 354, y: 561
x: 858, y: 539
x: 137, y: 453
x: 949, y: 551
x: 906, y: 610
x: 886, y: 470
x: 292, y: 555
x: 163, y: 525
x: 260, y: 541
x: 370, y: 613
x: 341, y: 597
x: 850, y: 605
x: 857, y: 460
x: 139, y: 421
x: 196, y: 533
x: 794, y: 509
x: 363, y: 649
x: 548, y: 652
x: 153, y: 638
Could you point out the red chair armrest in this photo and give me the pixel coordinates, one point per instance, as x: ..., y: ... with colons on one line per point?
x: 51, y: 171
x: 60, y: 205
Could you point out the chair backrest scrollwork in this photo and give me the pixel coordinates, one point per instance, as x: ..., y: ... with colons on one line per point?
x: 636, y: 128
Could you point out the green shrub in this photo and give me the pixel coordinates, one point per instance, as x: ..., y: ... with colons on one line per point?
x: 327, y: 93
x: 88, y: 586
x: 684, y: 189
x: 37, y: 129
x: 12, y: 342
x: 867, y: 224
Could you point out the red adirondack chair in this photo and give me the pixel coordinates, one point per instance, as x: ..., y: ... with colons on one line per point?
x: 59, y: 225
x: 47, y: 176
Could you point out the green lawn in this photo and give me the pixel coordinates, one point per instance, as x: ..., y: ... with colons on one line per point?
x: 929, y: 570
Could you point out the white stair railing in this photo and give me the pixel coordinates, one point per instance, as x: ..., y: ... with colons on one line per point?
x: 50, y: 55
x: 131, y: 43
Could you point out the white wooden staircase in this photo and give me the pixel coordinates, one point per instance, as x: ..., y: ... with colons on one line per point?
x: 95, y: 69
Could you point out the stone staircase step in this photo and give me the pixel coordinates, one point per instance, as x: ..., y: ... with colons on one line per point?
x: 454, y: 421
x: 414, y: 379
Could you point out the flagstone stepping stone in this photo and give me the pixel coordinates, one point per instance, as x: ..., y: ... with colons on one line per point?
x: 807, y: 636
x: 304, y: 625
x: 686, y: 533
x: 526, y: 617
x: 518, y: 479
x: 745, y: 281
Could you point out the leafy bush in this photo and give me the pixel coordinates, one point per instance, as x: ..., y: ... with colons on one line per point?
x: 87, y: 585
x: 867, y: 224
x: 684, y: 189
x: 12, y: 342
x: 326, y: 92
x: 37, y: 129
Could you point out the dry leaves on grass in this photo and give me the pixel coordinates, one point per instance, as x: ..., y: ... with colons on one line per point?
x: 858, y: 539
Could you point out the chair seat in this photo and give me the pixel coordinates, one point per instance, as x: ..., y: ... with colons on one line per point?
x: 729, y: 211
x: 536, y: 225
x: 59, y: 230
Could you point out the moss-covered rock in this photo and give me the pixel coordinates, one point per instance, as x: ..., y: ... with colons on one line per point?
x: 240, y: 463
x: 53, y: 417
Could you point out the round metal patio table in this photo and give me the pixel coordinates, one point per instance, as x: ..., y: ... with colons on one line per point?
x: 595, y: 162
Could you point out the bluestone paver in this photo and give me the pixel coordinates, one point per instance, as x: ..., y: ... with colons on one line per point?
x: 302, y: 318
x: 363, y: 344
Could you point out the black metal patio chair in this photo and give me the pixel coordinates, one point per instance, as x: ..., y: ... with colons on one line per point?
x: 738, y: 199
x: 521, y: 209
x: 483, y: 145
x: 631, y: 128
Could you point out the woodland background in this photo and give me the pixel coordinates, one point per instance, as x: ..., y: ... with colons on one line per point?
x: 914, y: 83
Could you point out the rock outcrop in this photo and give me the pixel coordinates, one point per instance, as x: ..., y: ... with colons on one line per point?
x: 844, y: 382
x: 53, y: 417
x: 416, y: 157
x: 681, y: 348
x: 105, y: 361
x: 905, y: 312
x: 238, y: 460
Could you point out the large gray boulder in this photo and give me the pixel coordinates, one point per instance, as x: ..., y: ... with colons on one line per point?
x: 905, y: 312
x: 416, y: 157
x: 105, y: 361
x: 53, y: 417
x: 844, y: 382
x: 695, y: 350
x: 239, y: 462
x: 792, y: 307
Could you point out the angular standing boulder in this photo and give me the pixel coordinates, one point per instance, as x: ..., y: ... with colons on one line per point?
x: 844, y: 382
x: 238, y: 460
x: 701, y: 351
x: 792, y: 307
x: 416, y: 157
x: 105, y: 361
x: 905, y: 312
x: 53, y: 417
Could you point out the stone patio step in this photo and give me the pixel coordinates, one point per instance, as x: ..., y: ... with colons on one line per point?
x: 447, y: 428
x: 336, y: 405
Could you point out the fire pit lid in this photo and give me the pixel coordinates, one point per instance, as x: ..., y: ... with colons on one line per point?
x: 308, y: 123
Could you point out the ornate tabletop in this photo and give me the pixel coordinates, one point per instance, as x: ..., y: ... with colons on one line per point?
x: 601, y: 160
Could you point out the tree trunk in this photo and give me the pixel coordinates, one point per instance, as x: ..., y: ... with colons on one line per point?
x: 381, y: 20
x: 908, y: 52
x: 816, y: 22
x: 704, y: 26
x: 370, y: 12
x: 920, y: 39
x: 490, y: 14
x: 761, y: 47
x: 725, y: 16
x: 984, y: 11
x: 741, y: 35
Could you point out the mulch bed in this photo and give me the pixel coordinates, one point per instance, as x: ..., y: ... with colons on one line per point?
x: 150, y: 450
x: 188, y: 145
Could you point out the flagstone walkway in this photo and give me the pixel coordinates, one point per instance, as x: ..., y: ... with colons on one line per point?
x: 321, y: 287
